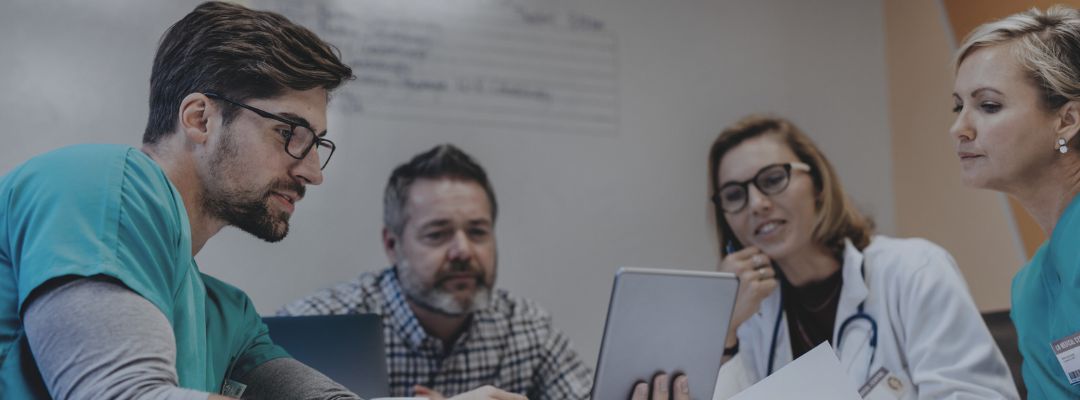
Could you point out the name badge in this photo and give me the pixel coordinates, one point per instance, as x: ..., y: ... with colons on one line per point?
x: 1067, y: 350
x: 233, y: 389
x: 883, y: 385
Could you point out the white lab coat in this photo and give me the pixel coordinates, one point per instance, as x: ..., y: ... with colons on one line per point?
x: 930, y: 334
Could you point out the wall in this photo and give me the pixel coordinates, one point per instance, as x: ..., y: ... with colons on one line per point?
x: 930, y: 200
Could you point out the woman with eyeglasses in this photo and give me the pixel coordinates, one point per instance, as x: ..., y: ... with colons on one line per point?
x: 1017, y: 104
x: 896, y: 310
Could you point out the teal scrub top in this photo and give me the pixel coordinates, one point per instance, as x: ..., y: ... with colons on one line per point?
x: 110, y: 210
x: 1045, y: 304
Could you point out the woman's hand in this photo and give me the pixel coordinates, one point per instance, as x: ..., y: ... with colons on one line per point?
x: 678, y: 389
x: 757, y: 279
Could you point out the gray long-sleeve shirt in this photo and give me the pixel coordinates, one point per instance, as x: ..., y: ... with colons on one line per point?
x: 95, y: 339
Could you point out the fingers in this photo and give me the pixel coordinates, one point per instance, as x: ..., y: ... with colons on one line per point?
x: 767, y: 287
x: 745, y: 252
x: 760, y: 283
x: 501, y: 395
x: 660, y: 387
x: 679, y: 389
x: 743, y: 260
x: 641, y: 391
x: 488, y: 392
x: 759, y: 260
x: 424, y: 391
x: 752, y: 275
x: 682, y: 388
x: 757, y: 280
x: 764, y: 273
x: 733, y: 261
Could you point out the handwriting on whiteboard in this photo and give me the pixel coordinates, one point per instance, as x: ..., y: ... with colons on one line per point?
x: 470, y: 63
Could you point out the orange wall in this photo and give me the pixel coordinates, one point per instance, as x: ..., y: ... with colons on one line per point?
x: 974, y: 225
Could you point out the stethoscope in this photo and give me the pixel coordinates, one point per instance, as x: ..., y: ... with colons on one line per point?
x: 859, y: 314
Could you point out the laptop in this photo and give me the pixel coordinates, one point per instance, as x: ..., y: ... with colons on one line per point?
x: 347, y: 348
x: 662, y: 320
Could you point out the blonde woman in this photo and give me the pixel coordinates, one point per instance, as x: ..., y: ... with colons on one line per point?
x: 1017, y: 99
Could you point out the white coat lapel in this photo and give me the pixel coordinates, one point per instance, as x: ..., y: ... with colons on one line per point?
x: 853, y: 344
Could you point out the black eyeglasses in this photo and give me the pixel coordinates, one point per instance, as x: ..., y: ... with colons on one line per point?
x: 772, y: 179
x: 299, y: 139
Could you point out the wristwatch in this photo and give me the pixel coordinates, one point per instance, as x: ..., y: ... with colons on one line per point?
x: 733, y: 350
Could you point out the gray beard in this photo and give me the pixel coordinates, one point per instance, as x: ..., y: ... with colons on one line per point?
x: 436, y: 299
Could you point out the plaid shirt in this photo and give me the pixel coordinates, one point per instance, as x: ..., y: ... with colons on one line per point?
x: 510, y: 345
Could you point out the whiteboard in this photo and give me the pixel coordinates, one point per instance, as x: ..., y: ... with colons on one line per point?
x: 575, y: 203
x: 476, y: 65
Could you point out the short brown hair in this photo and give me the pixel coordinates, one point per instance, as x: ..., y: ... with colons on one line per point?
x: 239, y: 53
x: 444, y: 161
x: 837, y: 218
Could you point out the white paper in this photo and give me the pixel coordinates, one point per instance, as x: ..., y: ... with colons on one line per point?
x: 815, y: 375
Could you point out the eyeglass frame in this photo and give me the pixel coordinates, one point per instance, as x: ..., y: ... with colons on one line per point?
x: 745, y: 185
x: 317, y: 141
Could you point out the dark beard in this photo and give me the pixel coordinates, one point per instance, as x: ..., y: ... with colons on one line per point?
x: 250, y: 216
x: 246, y: 210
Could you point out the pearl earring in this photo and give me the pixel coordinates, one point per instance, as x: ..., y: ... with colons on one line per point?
x: 1062, y: 147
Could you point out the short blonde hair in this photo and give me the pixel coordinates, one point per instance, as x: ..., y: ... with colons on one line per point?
x: 1046, y: 44
x: 837, y: 217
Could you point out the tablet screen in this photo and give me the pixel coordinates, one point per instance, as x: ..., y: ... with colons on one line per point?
x: 664, y: 320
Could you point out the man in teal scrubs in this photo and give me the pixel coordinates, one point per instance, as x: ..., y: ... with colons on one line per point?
x: 100, y: 297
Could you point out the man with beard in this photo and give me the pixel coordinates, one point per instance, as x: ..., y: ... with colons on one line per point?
x: 447, y: 329
x: 100, y: 296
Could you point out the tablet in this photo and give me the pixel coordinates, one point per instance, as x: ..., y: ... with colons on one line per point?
x: 662, y: 320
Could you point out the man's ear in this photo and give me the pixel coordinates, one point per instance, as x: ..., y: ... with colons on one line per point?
x: 1068, y: 121
x: 390, y: 243
x: 194, y: 120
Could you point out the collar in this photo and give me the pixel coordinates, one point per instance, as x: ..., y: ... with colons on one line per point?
x: 401, y: 316
x: 854, y: 291
x: 1062, y: 250
x: 408, y: 326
